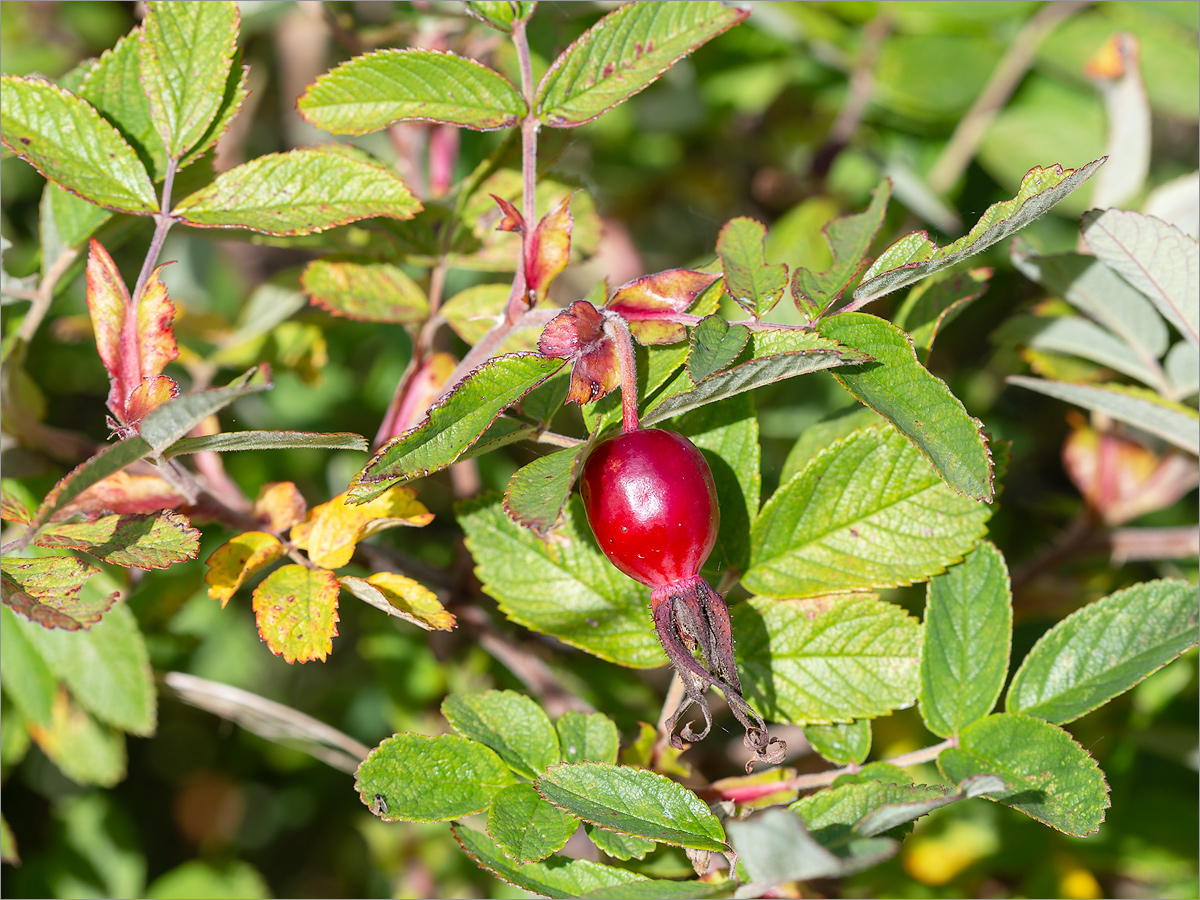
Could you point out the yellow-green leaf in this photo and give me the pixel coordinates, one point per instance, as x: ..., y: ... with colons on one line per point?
x: 296, y: 610
x: 236, y: 560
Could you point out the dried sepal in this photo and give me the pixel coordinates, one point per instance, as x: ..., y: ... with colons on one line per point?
x: 581, y: 335
x: 512, y: 220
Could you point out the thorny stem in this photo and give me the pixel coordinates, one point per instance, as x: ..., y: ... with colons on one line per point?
x: 163, y: 222
x: 628, y: 367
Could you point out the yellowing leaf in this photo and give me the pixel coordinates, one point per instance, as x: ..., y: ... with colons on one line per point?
x: 280, y: 505
x: 549, y: 250
x: 296, y: 611
x: 236, y: 560
x: 155, y: 541
x: 47, y: 591
x: 334, y: 528
x: 398, y: 595
x: 122, y: 492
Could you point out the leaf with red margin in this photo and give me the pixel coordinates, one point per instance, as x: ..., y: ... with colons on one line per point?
x: 236, y: 560
x: 296, y: 611
x: 46, y: 591
x: 333, y: 529
x: 549, y: 250
x: 754, y: 285
x: 512, y: 219
x: 122, y: 493
x: 650, y: 303
x: 156, y: 541
x: 579, y: 334
x: 13, y: 506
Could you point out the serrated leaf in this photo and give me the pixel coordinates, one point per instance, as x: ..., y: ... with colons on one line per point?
x: 168, y: 423
x: 510, y: 724
x: 587, y: 737
x: 915, y: 256
x: 1138, y: 407
x: 903, y: 811
x: 400, y: 596
x: 819, y: 436
x: 936, y: 302
x: 564, y: 587
x: 538, y: 491
x: 68, y: 142
x: 633, y: 801
x: 1104, y: 649
x: 298, y: 192
x: 296, y: 611
x: 431, y: 779
x: 83, y: 749
x: 230, y: 441
x: 623, y: 53
x: 333, y: 529
x: 557, y: 877
x: 377, y: 89
x: 107, y: 462
x: 715, y: 345
x: 831, y: 815
x: 619, y: 846
x: 153, y: 541
x: 280, y: 504
x: 754, y: 285
x: 867, y: 512
x: 236, y: 560
x: 47, y: 591
x: 107, y: 669
x: 454, y: 423
x: 28, y: 681
x: 916, y: 402
x: 968, y: 635
x: 584, y: 336
x: 817, y: 355
x: 1048, y: 775
x: 186, y: 55
x: 549, y: 250
x: 376, y: 292
x: 16, y: 503
x: 849, y: 238
x: 841, y: 744
x: 1155, y: 257
x: 525, y: 826
x: 826, y: 659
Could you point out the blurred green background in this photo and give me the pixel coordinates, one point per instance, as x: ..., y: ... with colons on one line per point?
x: 793, y: 118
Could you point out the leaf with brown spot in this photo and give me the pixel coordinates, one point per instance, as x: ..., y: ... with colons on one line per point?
x: 155, y: 541
x: 296, y: 611
x: 581, y: 335
x: 47, y: 591
x: 280, y: 505
x: 549, y: 250
x: 651, y: 303
x: 236, y: 560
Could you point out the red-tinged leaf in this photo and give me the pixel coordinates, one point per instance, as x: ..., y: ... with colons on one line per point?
x: 512, y: 219
x: 237, y: 559
x: 122, y: 493
x: 12, y: 507
x: 155, y: 541
x: 420, y: 390
x: 108, y: 302
x: 656, y: 332
x: 581, y: 335
x: 296, y: 610
x: 280, y: 505
x: 333, y: 529
x: 660, y: 296
x: 549, y: 250
x: 150, y: 394
x: 155, y: 337
x: 47, y: 591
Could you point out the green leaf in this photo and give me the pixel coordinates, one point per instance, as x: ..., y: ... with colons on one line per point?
x: 501, y: 14
x: 454, y: 422
x: 67, y: 141
x: 186, y: 54
x: 849, y: 239
x: 827, y: 659
x: 538, y: 491
x: 841, y: 744
x: 619, y: 846
x: 298, y: 192
x: 8, y: 844
x: 917, y: 402
x: 565, y: 588
x: 830, y: 815
x: 1076, y: 336
x: 525, y: 826
x: 431, y: 779
x: 556, y: 877
x: 810, y: 354
x: 915, y: 256
x: 209, y: 879
x: 936, y: 302
x: 151, y: 541
x: 86, y: 751
x: 166, y: 424
x: 1138, y: 407
x: 229, y: 441
x: 1155, y: 257
x: 27, y: 680
x: 377, y: 292
x: 819, y: 436
x: 633, y: 801
x: 106, y: 668
x: 968, y: 636
x: 509, y: 723
x: 112, y: 458
x: 587, y: 737
x: 661, y: 889
x: 655, y: 367
x: 1049, y: 776
x: 371, y: 92
x: 48, y: 591
x: 473, y: 312
x: 66, y: 222
x: 715, y: 345
x: 1104, y: 649
x: 623, y: 53
x: 866, y: 512
x: 904, y: 810
x: 753, y: 284
x: 875, y: 771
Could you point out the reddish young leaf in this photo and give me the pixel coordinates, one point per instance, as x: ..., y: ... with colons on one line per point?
x: 581, y: 335
x: 155, y: 541
x: 46, y: 591
x: 651, y: 303
x: 122, y: 493
x: 13, y: 508
x: 549, y: 250
x: 296, y: 611
x: 420, y: 389
x: 512, y: 220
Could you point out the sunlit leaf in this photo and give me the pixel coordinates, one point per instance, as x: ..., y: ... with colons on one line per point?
x: 509, y: 723
x: 153, y: 541
x: 377, y: 292
x: 332, y: 529
x: 936, y: 302
x: 754, y: 285
x: 400, y: 596
x: 538, y: 491
x: 525, y: 826
x: 236, y: 560
x: 296, y: 610
x: 549, y: 250
x: 229, y: 441
x: 715, y: 345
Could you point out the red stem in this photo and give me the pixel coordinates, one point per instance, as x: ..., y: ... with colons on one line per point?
x: 627, y: 363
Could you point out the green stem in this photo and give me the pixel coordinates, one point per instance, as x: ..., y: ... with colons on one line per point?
x: 163, y: 222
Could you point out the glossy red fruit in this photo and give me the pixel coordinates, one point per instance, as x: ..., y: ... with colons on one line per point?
x: 652, y: 505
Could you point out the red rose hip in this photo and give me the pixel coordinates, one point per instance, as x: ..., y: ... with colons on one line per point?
x: 652, y: 505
